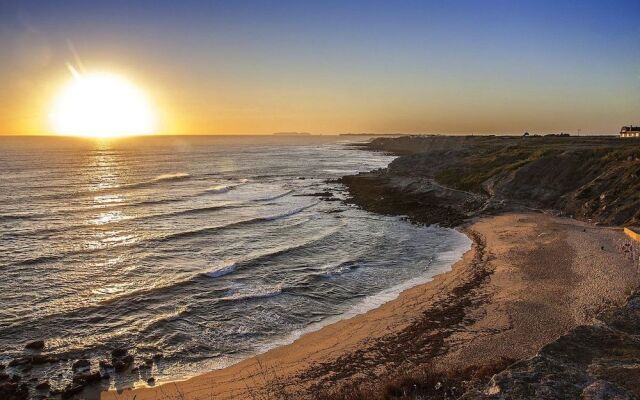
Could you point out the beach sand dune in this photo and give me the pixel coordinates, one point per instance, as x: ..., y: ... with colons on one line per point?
x: 529, y: 278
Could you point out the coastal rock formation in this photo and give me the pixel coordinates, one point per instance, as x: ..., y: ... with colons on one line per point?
x: 35, y: 345
x: 594, y: 178
x: 121, y: 360
x: 590, y: 362
x: 421, y: 200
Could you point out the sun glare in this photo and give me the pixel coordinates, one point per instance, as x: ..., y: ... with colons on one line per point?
x: 101, y: 105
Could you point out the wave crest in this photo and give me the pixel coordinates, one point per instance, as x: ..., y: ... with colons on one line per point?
x: 178, y: 176
x: 254, y: 292
x: 220, y: 188
x: 222, y: 270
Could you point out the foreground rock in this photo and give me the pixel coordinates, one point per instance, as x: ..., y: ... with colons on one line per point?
x: 121, y: 360
x: 590, y: 362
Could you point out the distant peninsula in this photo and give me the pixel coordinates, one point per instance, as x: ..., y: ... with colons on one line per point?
x: 291, y: 134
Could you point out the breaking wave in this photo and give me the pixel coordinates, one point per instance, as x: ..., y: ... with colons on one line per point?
x: 222, y: 270
x: 253, y: 292
x: 220, y: 188
x: 178, y: 176
x: 275, y: 197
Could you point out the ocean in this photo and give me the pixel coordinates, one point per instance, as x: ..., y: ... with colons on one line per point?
x: 202, y: 249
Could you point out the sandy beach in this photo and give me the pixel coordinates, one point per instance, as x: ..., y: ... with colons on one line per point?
x: 528, y: 279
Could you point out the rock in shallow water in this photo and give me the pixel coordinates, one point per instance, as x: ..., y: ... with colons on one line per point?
x: 122, y: 364
x: 35, y: 345
x: 119, y: 352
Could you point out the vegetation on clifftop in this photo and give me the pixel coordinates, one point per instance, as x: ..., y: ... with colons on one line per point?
x: 586, y: 177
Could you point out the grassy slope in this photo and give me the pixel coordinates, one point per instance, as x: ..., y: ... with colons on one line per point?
x: 595, y: 178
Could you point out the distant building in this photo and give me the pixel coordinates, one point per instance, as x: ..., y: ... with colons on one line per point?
x: 630, y: 131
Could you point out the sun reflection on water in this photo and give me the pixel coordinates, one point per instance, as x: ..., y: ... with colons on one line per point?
x: 108, y: 199
x: 104, y: 169
x: 107, y: 172
x: 110, y: 217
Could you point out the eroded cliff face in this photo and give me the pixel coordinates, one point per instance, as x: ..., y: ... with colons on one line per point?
x: 458, y: 177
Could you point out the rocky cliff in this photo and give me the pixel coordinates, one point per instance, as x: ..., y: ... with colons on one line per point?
x: 447, y: 180
x: 595, y: 178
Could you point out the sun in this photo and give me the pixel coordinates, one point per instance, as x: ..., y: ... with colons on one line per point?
x: 101, y: 105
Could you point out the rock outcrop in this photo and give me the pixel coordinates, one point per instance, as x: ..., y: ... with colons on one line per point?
x: 595, y: 178
x: 599, y: 361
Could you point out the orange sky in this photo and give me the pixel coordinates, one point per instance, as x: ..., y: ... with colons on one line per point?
x: 334, y: 68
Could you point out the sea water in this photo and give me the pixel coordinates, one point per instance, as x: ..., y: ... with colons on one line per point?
x: 203, y: 249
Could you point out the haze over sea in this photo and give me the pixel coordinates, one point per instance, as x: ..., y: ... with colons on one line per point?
x: 204, y: 249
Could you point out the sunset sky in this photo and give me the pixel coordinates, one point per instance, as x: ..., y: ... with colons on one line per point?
x: 213, y: 67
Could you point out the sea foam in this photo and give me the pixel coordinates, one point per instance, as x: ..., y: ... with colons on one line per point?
x: 222, y: 270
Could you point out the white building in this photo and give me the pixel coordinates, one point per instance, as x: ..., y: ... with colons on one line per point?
x: 630, y: 131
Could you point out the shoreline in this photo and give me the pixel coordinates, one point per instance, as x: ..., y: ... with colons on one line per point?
x: 172, y: 389
x: 445, y: 263
x: 529, y: 278
x: 444, y: 322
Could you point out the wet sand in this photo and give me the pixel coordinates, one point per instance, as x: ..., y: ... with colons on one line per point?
x: 528, y: 279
